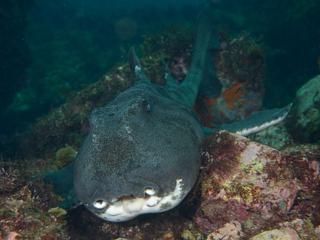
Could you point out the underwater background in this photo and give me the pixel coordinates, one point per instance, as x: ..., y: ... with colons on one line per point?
x: 52, y: 49
x: 60, y: 59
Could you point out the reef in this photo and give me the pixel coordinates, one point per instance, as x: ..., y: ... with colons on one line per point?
x: 29, y: 209
x: 250, y: 187
x: 246, y: 189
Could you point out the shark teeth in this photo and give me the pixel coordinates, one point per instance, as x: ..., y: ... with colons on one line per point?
x: 126, y: 209
x: 134, y: 205
x: 153, y: 201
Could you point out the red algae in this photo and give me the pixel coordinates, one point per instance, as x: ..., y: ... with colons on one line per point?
x: 254, y: 185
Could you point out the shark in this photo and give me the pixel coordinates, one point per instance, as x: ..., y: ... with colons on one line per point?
x: 142, y: 153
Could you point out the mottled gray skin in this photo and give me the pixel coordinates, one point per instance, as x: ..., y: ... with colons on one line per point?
x: 147, y: 137
x: 141, y: 139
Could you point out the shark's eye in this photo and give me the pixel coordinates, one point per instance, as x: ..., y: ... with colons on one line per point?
x: 99, y: 204
x: 149, y: 191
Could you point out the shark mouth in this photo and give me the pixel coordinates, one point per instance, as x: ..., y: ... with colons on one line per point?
x: 125, y: 209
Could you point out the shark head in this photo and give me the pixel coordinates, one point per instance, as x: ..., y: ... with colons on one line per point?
x: 140, y: 156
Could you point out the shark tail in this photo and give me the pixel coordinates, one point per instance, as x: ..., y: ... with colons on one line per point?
x: 187, y: 91
x: 256, y: 122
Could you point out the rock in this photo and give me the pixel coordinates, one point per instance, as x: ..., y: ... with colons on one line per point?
x: 303, y: 121
x: 278, y: 234
x: 169, y: 225
x: 12, y: 236
x: 57, y: 212
x: 305, y: 162
x: 276, y: 136
x: 168, y: 236
x: 187, y: 235
x: 245, y: 182
x: 317, y: 231
x: 303, y: 227
x: 230, y: 231
x: 24, y: 210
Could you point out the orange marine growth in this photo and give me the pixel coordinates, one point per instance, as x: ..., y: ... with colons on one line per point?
x: 233, y: 94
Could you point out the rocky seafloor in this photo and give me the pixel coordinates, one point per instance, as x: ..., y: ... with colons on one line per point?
x: 246, y: 190
x: 266, y: 186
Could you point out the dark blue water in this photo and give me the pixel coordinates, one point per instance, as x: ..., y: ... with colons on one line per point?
x: 51, y: 49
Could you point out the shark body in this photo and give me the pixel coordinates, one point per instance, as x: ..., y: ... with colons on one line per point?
x: 142, y: 154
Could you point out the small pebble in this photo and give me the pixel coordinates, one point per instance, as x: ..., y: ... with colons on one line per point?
x: 187, y: 235
x: 281, y: 234
x: 168, y: 236
x: 57, y: 212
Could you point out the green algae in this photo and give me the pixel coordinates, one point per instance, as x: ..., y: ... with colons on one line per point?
x: 64, y: 156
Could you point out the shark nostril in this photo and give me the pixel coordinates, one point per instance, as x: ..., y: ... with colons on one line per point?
x: 100, y: 204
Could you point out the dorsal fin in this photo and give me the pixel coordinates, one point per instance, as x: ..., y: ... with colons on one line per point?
x: 133, y: 59
x: 135, y: 66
